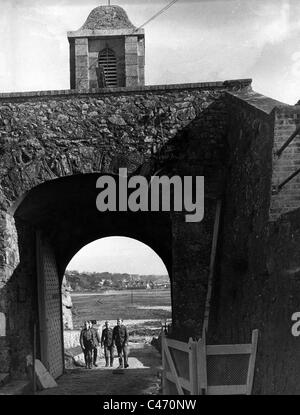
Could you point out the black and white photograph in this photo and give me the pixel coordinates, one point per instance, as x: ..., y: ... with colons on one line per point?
x: 149, y: 200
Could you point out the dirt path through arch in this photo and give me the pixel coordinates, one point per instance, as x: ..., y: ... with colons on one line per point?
x: 141, y: 378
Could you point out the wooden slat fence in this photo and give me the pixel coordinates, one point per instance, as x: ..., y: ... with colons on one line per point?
x: 195, y: 368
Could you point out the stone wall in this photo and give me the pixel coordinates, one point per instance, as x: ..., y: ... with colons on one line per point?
x: 9, y: 261
x: 19, y: 304
x: 265, y: 297
x: 256, y: 283
x: 202, y: 149
x: 48, y: 136
x: 241, y: 247
x: 205, y: 130
x: 71, y: 338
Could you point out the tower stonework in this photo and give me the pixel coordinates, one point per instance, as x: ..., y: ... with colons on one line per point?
x: 107, y: 51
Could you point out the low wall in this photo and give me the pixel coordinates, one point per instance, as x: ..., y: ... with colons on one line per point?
x: 71, y: 338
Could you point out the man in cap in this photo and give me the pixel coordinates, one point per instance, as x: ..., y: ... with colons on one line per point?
x: 86, y: 343
x: 120, y: 339
x: 107, y: 342
x: 96, y: 341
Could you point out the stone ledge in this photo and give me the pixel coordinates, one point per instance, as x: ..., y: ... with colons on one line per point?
x: 104, y: 32
x: 256, y: 100
x: 238, y: 83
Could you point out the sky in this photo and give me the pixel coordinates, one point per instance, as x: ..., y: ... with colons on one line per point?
x: 194, y: 41
x: 118, y: 254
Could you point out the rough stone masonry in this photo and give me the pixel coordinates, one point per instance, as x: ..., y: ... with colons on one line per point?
x: 53, y: 146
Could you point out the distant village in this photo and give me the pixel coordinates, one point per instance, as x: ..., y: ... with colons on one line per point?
x: 89, y: 281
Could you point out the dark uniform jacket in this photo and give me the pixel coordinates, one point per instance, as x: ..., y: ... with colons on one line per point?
x: 86, y: 339
x: 95, y: 337
x: 107, y: 337
x: 120, y: 336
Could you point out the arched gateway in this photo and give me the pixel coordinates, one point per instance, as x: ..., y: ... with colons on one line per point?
x: 60, y: 218
x: 55, y: 144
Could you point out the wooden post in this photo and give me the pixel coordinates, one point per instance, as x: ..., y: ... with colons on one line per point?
x: 252, y: 358
x: 201, y: 365
x: 193, y: 366
x: 212, y: 264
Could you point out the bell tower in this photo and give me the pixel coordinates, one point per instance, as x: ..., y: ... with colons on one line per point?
x: 108, y: 51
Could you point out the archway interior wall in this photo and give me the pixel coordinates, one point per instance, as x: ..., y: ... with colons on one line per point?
x: 191, y: 248
x: 202, y: 151
x: 9, y: 259
x: 19, y: 302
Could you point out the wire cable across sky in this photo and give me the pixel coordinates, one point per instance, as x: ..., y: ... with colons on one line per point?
x: 164, y: 9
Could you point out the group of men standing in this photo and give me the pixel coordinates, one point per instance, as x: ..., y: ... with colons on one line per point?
x: 90, y: 341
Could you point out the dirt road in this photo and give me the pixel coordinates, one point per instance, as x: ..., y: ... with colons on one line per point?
x: 139, y: 379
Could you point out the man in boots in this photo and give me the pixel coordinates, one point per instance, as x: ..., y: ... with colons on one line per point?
x: 96, y: 341
x: 120, y: 339
x: 107, y: 342
x: 86, y: 343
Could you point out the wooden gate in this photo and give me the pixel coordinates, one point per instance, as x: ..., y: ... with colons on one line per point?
x: 199, y: 369
x: 179, y: 367
x: 50, y: 311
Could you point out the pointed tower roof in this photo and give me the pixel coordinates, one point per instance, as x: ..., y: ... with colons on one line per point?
x: 106, y: 20
x: 107, y: 17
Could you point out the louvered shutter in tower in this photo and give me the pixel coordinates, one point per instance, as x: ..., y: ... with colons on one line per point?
x: 107, y: 60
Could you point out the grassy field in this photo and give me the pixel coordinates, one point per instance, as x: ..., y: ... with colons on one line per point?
x: 127, y: 304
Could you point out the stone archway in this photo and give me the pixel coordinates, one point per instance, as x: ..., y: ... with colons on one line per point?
x: 63, y: 213
x: 53, y: 222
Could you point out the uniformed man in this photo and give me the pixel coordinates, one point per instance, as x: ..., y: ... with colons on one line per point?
x: 86, y: 343
x: 96, y: 341
x: 107, y: 342
x: 120, y: 339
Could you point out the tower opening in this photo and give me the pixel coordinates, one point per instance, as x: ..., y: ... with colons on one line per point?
x: 108, y: 64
